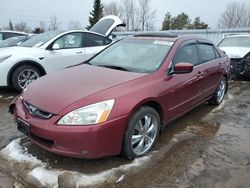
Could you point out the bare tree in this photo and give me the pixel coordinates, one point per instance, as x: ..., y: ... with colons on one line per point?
x: 22, y: 26
x: 147, y: 15
x: 112, y: 8
x: 235, y: 15
x: 74, y: 25
x: 43, y: 26
x: 127, y: 11
x: 54, y: 24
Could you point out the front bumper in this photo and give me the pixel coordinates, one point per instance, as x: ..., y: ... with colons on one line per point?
x: 74, y: 141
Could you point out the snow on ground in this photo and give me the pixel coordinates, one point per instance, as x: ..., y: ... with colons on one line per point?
x: 40, y: 175
x: 15, y: 151
x: 47, y: 178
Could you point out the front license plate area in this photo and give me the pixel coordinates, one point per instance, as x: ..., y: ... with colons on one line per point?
x: 23, y: 127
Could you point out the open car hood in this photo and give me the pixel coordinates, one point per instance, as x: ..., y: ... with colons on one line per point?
x: 107, y: 24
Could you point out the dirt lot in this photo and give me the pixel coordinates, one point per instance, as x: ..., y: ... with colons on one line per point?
x: 209, y: 147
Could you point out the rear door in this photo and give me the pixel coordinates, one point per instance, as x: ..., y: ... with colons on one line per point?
x: 185, y: 88
x: 212, y: 68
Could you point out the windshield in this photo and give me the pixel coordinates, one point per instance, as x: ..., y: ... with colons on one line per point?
x: 134, y: 54
x: 239, y: 41
x: 40, y: 39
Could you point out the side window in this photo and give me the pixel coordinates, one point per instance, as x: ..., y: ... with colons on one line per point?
x: 71, y: 40
x: 187, y: 54
x: 8, y: 35
x: 1, y: 36
x: 207, y: 52
x: 96, y: 40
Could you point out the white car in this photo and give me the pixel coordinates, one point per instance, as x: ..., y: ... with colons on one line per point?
x: 237, y: 47
x: 52, y: 51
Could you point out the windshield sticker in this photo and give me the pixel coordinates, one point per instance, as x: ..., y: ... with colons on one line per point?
x: 161, y: 42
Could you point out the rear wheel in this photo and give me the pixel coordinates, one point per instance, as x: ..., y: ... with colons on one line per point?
x: 220, y: 92
x: 141, y: 133
x: 24, y: 75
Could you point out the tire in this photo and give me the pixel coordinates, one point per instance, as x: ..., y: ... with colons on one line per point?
x: 24, y: 75
x: 220, y: 92
x: 142, y: 132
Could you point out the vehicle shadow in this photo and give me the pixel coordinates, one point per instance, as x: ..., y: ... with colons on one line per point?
x: 7, y: 93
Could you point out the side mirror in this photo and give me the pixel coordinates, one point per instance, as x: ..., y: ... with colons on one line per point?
x: 55, y: 47
x: 183, y: 68
x: 112, y: 36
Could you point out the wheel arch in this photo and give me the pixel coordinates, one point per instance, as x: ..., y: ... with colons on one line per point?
x: 151, y: 103
x: 21, y: 63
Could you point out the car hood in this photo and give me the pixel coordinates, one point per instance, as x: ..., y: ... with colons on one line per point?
x: 54, y: 92
x: 235, y: 52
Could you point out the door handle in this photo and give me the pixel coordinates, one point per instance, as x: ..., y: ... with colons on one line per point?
x: 80, y: 52
x: 220, y: 65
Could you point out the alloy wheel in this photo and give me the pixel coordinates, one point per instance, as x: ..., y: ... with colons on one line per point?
x: 221, y: 90
x: 144, y: 134
x: 26, y: 77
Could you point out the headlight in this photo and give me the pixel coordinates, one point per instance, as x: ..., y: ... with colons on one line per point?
x: 4, y: 58
x: 92, y: 114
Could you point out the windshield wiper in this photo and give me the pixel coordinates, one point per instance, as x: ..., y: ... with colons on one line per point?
x: 115, y: 67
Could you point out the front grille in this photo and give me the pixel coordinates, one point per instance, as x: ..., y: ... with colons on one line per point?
x: 34, y: 111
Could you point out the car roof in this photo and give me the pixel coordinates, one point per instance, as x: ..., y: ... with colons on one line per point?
x: 76, y: 30
x: 10, y: 31
x: 170, y: 36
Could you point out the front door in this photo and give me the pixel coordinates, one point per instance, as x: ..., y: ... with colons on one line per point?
x: 70, y: 51
x: 184, y: 89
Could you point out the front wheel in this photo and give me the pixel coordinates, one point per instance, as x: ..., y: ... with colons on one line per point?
x: 220, y: 92
x: 141, y: 134
x: 24, y: 75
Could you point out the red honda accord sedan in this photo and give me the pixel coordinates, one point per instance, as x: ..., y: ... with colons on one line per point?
x: 118, y: 101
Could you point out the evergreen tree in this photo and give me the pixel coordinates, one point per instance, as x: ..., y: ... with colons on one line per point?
x: 181, y: 21
x: 198, y: 24
x: 96, y: 14
x: 166, y: 25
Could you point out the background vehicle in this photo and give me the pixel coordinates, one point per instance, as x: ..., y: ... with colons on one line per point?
x: 118, y: 101
x: 238, y: 49
x: 51, y: 51
x: 7, y: 34
x: 13, y: 41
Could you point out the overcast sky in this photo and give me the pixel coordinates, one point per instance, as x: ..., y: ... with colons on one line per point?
x: 32, y: 11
